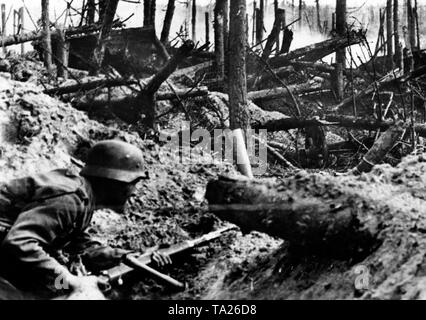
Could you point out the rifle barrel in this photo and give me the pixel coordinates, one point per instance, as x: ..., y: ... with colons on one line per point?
x: 118, y: 272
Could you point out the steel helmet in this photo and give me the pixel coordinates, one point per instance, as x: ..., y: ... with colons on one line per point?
x: 114, y: 160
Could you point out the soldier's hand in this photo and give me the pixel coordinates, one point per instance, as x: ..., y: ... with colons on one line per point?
x: 161, y: 259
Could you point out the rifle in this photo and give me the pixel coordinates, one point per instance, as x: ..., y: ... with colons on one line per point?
x: 141, y: 263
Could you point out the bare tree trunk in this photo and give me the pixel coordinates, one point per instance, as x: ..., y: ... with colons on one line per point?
x: 416, y: 15
x: 277, y: 40
x: 239, y: 119
x: 259, y: 28
x: 339, y: 87
x: 411, y: 25
x: 149, y: 7
x: 300, y: 14
x: 194, y: 20
x: 207, y: 15
x: 3, y: 19
x: 389, y: 29
x: 237, y: 67
x: 254, y: 24
x: 99, y: 52
x: 63, y: 54
x: 47, y: 45
x: 319, y: 25
x: 219, y: 34
x: 102, y: 9
x: 226, y: 25
x: 261, y: 19
x: 341, y: 30
x: 91, y: 10
x: 396, y: 27
x: 168, y: 22
x: 21, y: 27
x: 3, y: 25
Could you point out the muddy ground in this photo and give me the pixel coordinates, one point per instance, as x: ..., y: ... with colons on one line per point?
x: 40, y: 133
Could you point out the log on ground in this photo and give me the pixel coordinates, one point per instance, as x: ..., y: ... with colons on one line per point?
x: 338, y: 226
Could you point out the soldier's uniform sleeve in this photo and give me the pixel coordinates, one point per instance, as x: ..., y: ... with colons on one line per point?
x: 36, y: 230
x: 95, y: 256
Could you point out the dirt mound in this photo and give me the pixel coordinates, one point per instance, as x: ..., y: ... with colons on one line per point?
x: 394, y: 270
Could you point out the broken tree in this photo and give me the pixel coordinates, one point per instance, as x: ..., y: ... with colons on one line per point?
x: 131, y: 109
x: 319, y: 50
x: 99, y: 52
x: 381, y: 148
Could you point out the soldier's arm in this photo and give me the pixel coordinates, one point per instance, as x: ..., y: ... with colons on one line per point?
x: 95, y: 256
x: 35, y: 230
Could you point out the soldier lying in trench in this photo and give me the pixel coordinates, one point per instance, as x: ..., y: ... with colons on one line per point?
x: 47, y: 214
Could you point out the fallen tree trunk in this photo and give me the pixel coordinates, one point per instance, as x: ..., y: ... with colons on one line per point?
x: 276, y: 93
x: 317, y: 51
x: 267, y: 76
x: 121, y: 103
x: 386, y: 80
x: 341, y: 226
x: 381, y: 148
x: 90, y: 85
x: 323, y: 67
x: 38, y: 35
x: 285, y: 124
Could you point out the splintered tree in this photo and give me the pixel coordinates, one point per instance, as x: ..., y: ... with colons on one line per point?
x: 47, y: 45
x: 239, y: 119
x: 168, y: 22
x: 99, y: 52
x: 272, y: 38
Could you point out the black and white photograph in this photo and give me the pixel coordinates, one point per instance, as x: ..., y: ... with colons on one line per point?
x: 222, y: 153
